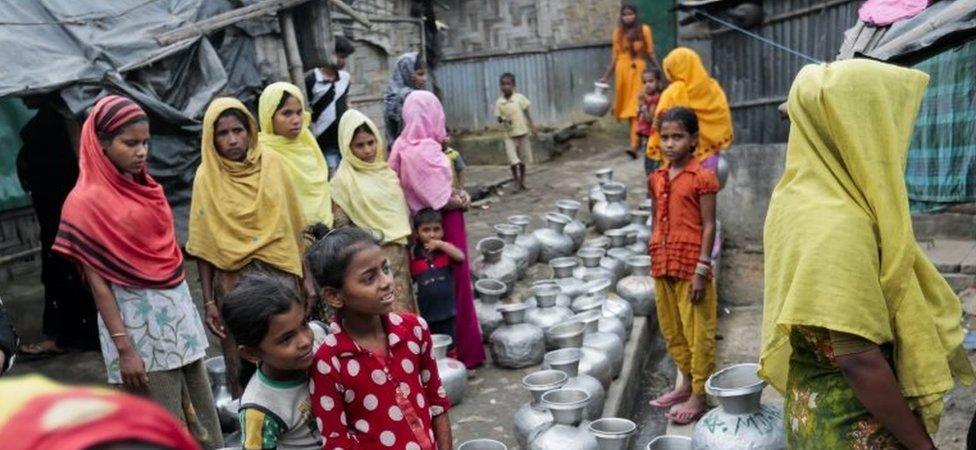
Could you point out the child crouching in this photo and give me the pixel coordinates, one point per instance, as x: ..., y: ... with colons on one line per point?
x: 375, y: 383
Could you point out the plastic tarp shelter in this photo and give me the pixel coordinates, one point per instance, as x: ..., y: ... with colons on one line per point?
x: 85, y: 48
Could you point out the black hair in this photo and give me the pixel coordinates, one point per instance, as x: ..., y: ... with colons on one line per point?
x: 237, y: 114
x: 284, y: 98
x: 426, y: 215
x: 108, y: 137
x: 686, y: 117
x: 329, y: 257
x: 364, y: 128
x: 629, y: 7
x: 653, y: 72
x: 632, y: 8
x: 343, y: 46
x: 507, y: 75
x: 419, y: 63
x: 249, y: 308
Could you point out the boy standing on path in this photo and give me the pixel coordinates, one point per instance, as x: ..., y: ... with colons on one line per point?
x: 512, y: 110
x: 327, y: 87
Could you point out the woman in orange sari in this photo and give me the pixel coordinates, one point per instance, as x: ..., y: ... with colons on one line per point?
x: 633, y: 44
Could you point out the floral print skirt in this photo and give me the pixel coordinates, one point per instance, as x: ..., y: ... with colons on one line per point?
x: 821, y: 411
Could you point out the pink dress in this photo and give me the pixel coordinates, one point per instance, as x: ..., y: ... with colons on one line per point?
x: 426, y: 178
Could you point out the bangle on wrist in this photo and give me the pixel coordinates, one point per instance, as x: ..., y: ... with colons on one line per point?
x: 118, y: 335
x: 211, y: 302
x: 705, y: 261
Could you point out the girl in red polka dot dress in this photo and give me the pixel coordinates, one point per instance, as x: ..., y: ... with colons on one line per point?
x: 374, y: 381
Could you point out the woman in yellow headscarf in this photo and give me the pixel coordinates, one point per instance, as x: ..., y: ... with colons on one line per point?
x: 860, y: 332
x: 367, y: 194
x: 285, y: 129
x: 691, y: 86
x: 244, y: 216
x: 633, y: 45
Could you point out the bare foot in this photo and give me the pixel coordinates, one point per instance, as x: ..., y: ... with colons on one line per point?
x: 678, y: 395
x: 689, y: 411
x: 47, y: 347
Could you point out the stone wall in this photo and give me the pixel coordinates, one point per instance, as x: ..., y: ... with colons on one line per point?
x: 514, y: 26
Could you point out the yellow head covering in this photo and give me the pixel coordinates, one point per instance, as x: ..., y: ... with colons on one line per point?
x: 369, y: 193
x: 303, y: 160
x: 691, y: 87
x: 242, y: 211
x: 839, y: 248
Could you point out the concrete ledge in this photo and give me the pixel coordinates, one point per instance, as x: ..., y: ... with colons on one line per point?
x: 489, y: 149
x: 623, y: 391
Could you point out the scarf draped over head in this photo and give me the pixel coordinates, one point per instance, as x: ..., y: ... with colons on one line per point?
x: 400, y: 85
x: 303, y: 160
x: 120, y: 227
x: 418, y: 157
x: 691, y: 87
x: 246, y: 210
x: 839, y: 247
x: 39, y: 414
x: 369, y: 192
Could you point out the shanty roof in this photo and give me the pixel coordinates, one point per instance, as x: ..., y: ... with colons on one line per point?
x: 943, y: 25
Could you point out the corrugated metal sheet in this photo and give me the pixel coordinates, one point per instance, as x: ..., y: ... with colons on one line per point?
x: 757, y: 77
x: 554, y: 82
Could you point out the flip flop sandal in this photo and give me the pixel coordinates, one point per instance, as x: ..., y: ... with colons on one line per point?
x: 673, y: 417
x: 674, y: 399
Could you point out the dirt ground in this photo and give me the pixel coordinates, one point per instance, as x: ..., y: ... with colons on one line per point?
x: 494, y: 394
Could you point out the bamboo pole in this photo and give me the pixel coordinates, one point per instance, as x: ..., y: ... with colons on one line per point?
x: 292, y: 53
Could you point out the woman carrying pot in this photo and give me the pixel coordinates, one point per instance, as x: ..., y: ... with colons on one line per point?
x: 633, y: 45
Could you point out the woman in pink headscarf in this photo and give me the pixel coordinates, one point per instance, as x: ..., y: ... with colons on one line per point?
x: 425, y: 175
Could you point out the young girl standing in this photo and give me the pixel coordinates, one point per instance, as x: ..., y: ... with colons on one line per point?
x: 683, y: 195
x: 367, y: 194
x: 375, y: 383
x: 118, y: 228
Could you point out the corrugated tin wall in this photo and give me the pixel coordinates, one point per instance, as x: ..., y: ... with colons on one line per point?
x: 554, y: 82
x: 757, y: 77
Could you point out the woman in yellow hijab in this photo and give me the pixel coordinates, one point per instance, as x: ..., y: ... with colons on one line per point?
x: 244, y: 215
x: 285, y: 130
x: 367, y: 194
x: 691, y: 86
x: 861, y: 333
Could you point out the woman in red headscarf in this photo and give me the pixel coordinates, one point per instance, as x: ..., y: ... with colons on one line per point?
x: 39, y: 414
x: 117, y: 226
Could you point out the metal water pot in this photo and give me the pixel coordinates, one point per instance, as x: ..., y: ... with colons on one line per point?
x: 613, y: 306
x: 613, y: 433
x: 609, y: 322
x: 595, y: 363
x: 607, y: 343
x: 562, y: 269
x: 638, y: 288
x: 547, y: 314
x: 638, y: 224
x: 646, y: 205
x: 566, y: 406
x: 519, y: 255
x: 491, y: 264
x: 741, y: 421
x: 591, y: 270
x: 612, y: 212
x: 532, y: 418
x: 516, y: 344
x: 490, y: 293
x: 603, y: 176
x: 482, y: 444
x: 454, y: 376
x: 616, y: 263
x: 722, y: 171
x: 562, y: 299
x: 575, y: 228
x: 619, y: 238
x: 568, y: 361
x: 525, y: 239
x: 670, y: 442
x: 596, y: 103
x: 598, y: 242
x: 554, y: 241
x: 223, y: 401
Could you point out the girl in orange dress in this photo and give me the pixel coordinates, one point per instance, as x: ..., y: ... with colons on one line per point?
x: 633, y: 44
